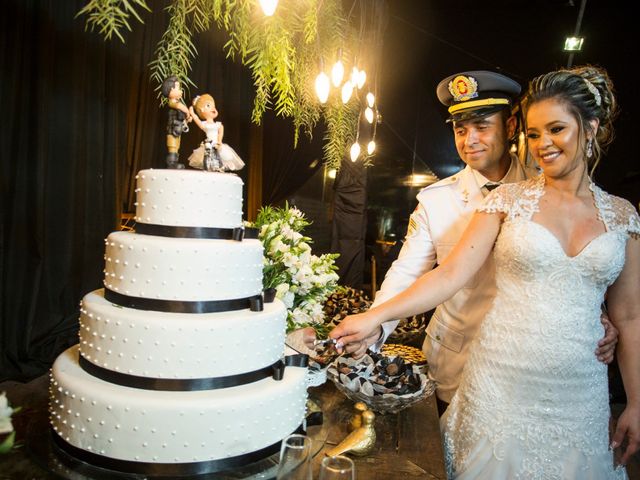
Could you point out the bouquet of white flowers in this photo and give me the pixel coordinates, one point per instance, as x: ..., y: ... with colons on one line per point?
x: 6, y: 427
x: 302, y: 280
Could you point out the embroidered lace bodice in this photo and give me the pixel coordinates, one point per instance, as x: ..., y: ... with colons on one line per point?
x: 533, y: 401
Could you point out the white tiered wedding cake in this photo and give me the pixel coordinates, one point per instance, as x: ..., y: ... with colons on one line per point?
x: 180, y: 367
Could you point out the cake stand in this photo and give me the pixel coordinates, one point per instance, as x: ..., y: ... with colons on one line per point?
x: 41, y: 446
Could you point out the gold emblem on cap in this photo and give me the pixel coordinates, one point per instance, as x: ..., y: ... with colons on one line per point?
x: 463, y: 88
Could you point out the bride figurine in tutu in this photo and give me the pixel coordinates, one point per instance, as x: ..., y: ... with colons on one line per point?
x: 212, y: 155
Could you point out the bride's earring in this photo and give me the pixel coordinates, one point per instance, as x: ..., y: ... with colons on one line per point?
x: 590, y: 149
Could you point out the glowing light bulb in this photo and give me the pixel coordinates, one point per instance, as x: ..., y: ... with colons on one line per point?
x: 371, y: 99
x: 347, y: 90
x: 371, y: 147
x: 322, y: 87
x: 332, y: 173
x: 337, y: 73
x: 268, y: 6
x: 368, y: 114
x: 362, y: 77
x: 354, y: 75
x: 355, y: 151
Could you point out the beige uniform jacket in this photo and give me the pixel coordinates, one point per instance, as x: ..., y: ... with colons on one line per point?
x: 443, y: 213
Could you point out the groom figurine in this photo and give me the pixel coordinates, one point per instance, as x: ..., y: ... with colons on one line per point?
x: 479, y: 105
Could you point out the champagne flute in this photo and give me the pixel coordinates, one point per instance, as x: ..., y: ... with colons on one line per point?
x: 337, y: 468
x: 295, y: 458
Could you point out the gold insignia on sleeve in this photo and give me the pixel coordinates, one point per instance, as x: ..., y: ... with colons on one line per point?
x: 412, y: 230
x: 463, y: 88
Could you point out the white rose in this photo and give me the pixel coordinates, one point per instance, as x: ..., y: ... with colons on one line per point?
x: 306, y: 257
x: 304, y: 246
x: 283, y: 247
x: 287, y: 299
x: 300, y: 317
x: 281, y: 290
x: 275, y: 244
x: 317, y: 313
x: 289, y: 259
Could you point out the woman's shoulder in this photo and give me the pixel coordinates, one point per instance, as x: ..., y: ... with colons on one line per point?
x: 618, y: 203
x: 519, y: 189
x: 617, y: 211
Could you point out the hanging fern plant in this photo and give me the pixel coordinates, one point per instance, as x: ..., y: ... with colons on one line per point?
x: 282, y: 52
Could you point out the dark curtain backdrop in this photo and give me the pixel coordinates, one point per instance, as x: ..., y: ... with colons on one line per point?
x: 350, y: 222
x: 81, y: 118
x: 287, y: 168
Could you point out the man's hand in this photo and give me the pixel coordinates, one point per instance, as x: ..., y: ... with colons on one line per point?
x: 626, y: 439
x: 607, y: 345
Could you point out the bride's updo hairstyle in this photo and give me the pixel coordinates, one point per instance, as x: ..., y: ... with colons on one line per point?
x: 587, y: 92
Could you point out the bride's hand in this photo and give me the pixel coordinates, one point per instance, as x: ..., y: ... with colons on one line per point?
x: 356, y: 333
x: 628, y: 427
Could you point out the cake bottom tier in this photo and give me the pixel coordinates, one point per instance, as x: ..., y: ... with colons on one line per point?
x: 150, y: 426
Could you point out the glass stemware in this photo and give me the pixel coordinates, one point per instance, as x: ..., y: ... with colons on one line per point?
x: 295, y: 458
x: 337, y: 468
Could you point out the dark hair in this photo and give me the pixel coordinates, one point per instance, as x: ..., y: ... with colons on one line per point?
x: 588, y: 93
x: 168, y: 84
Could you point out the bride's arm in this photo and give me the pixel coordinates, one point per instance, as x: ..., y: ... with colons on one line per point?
x: 623, y: 303
x: 433, y: 287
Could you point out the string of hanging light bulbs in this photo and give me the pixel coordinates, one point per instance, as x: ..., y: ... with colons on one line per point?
x: 355, y: 82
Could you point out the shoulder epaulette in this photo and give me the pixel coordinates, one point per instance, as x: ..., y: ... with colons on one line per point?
x: 443, y: 183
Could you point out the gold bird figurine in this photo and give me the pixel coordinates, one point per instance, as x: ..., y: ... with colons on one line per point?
x: 356, y: 420
x: 359, y: 442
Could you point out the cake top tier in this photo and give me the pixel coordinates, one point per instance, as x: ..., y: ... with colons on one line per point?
x: 189, y: 198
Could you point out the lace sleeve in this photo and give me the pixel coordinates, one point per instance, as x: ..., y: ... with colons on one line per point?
x: 626, y: 216
x: 499, y: 200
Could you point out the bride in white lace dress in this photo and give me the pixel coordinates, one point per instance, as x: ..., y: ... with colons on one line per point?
x: 533, y: 399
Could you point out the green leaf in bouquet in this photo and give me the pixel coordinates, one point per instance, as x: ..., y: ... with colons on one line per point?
x: 8, y: 443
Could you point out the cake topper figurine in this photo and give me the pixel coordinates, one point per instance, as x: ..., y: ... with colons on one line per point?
x: 178, y: 119
x: 212, y: 155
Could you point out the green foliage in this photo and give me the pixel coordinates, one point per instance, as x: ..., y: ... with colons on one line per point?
x: 283, y: 53
x: 175, y: 50
x: 8, y: 443
x: 342, y: 124
x: 111, y: 16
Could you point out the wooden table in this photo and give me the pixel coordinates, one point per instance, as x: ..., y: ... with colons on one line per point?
x: 408, y: 443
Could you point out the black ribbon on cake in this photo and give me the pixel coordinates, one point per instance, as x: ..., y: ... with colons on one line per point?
x: 167, y: 469
x: 237, y: 233
x: 254, y: 303
x: 275, y: 370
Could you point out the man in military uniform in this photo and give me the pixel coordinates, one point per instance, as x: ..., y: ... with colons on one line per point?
x: 177, y: 119
x: 479, y: 104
